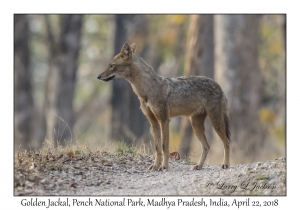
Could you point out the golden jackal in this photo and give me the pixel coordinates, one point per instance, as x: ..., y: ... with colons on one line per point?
x: 162, y: 98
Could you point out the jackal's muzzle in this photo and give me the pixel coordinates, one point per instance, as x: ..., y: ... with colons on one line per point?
x: 105, y: 79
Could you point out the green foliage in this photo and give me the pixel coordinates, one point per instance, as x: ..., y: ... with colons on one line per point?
x: 123, y: 149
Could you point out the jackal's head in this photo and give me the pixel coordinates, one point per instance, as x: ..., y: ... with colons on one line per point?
x: 120, y: 65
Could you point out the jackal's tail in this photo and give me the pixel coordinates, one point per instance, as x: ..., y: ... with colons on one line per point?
x: 227, y: 126
x: 226, y: 118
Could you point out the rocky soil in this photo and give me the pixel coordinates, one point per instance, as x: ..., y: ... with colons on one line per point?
x: 128, y: 174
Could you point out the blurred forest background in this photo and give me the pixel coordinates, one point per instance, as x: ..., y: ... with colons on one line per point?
x: 58, y: 98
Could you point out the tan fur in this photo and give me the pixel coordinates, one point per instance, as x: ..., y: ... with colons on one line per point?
x: 162, y: 98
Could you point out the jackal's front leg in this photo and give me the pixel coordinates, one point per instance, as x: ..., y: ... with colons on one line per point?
x: 157, y: 142
x: 155, y: 127
x: 165, y: 144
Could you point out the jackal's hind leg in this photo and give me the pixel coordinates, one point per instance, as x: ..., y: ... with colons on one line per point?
x: 198, y: 128
x: 218, y: 121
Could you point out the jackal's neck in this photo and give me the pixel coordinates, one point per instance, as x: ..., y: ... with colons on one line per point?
x: 141, y: 71
x: 145, y: 69
x: 142, y: 78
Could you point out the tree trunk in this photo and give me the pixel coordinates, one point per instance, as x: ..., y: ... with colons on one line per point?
x: 62, y: 78
x: 237, y: 71
x: 127, y: 120
x: 23, y: 105
x: 199, y: 61
x: 120, y: 90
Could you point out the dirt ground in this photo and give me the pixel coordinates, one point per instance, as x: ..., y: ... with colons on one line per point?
x: 128, y: 174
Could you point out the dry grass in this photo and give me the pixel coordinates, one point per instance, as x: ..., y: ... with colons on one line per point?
x: 50, y: 156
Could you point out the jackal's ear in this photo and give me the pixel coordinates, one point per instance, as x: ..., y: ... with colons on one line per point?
x: 126, y: 49
x: 133, y: 47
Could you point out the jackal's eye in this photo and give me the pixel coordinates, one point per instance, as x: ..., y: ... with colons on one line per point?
x: 111, y: 67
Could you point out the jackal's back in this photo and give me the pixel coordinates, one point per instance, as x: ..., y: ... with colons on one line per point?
x: 193, y: 94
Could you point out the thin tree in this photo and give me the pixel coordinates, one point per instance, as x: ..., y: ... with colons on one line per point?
x: 24, y: 104
x: 64, y: 51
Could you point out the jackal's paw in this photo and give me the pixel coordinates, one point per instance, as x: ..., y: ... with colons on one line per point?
x: 154, y: 167
x: 224, y: 166
x: 196, y: 167
x: 161, y: 168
